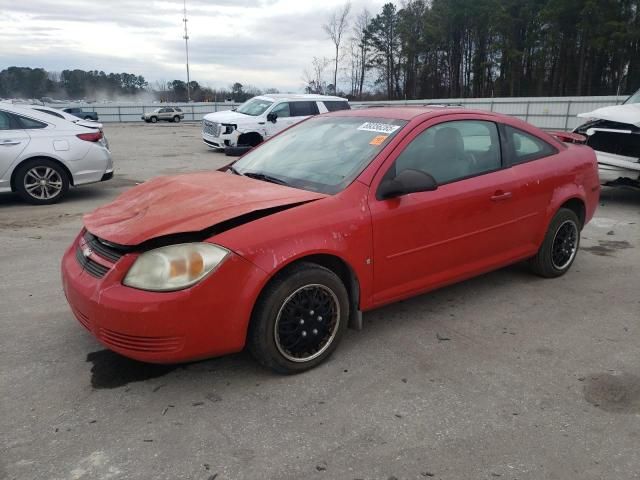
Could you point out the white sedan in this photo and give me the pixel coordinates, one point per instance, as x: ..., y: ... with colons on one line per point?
x: 41, y: 155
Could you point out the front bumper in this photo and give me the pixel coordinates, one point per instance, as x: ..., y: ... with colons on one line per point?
x: 221, y: 142
x: 206, y: 320
x: 612, y: 167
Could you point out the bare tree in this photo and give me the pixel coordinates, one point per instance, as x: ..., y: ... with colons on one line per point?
x: 314, y: 79
x: 361, y: 36
x: 335, y: 29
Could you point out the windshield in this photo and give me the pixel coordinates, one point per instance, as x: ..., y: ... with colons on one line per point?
x: 323, y: 154
x: 254, y: 107
x: 635, y: 98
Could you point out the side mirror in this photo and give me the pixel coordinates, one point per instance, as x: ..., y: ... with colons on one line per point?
x: 407, y: 181
x: 272, y: 117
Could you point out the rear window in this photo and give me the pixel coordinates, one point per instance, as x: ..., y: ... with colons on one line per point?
x: 334, y: 106
x: 303, y: 109
x: 49, y: 112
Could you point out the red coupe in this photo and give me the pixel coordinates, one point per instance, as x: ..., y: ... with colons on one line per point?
x: 337, y: 215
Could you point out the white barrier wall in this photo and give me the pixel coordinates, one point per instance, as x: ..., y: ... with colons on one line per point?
x: 544, y: 112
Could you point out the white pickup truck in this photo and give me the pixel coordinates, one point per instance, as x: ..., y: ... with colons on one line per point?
x: 262, y: 117
x: 614, y: 133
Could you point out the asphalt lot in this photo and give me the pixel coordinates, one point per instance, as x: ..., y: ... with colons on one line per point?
x: 507, y: 376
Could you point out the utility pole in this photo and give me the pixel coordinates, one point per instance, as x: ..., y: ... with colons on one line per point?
x: 186, y: 47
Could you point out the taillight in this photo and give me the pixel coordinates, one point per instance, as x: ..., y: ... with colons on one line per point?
x: 90, y: 137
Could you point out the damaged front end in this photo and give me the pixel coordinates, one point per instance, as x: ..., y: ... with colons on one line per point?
x: 614, y: 134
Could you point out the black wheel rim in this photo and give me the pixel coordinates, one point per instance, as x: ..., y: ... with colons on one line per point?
x: 307, y: 323
x: 564, y: 246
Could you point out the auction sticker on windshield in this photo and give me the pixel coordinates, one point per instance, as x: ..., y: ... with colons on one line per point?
x: 379, y: 140
x: 378, y: 127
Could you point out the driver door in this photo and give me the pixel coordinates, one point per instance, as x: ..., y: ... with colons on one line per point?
x: 428, y: 239
x: 284, y: 119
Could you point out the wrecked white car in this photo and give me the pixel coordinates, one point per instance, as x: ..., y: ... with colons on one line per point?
x: 614, y: 133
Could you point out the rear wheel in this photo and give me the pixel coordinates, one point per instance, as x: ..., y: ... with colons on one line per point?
x: 560, y: 245
x: 299, y: 319
x: 176, y: 119
x: 41, y: 181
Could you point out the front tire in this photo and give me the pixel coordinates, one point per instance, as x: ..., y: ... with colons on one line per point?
x: 560, y: 245
x: 154, y: 119
x: 41, y: 181
x: 299, y: 319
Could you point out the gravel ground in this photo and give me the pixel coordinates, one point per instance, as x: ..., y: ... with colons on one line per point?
x: 504, y: 376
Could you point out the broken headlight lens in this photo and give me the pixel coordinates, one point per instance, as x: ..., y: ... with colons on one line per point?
x: 175, y: 267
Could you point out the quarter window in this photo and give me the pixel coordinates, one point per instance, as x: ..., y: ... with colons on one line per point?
x: 303, y: 109
x: 282, y: 110
x: 451, y: 151
x: 524, y: 147
x: 29, y: 123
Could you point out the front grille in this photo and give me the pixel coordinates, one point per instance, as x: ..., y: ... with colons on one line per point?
x: 211, y: 128
x: 140, y: 344
x: 103, y: 249
x: 91, y: 266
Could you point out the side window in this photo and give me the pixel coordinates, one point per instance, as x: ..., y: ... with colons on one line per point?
x: 334, y: 106
x: 453, y: 150
x: 29, y: 123
x: 303, y: 109
x: 5, y: 121
x: 282, y: 110
x: 524, y: 147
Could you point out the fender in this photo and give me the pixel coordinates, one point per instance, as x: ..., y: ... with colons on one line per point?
x: 274, y: 242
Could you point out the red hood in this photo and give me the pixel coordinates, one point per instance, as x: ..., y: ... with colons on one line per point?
x: 186, y: 203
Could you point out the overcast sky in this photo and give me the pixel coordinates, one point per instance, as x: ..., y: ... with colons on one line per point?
x: 266, y: 43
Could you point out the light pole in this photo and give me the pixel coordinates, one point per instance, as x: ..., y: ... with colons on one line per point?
x: 186, y: 47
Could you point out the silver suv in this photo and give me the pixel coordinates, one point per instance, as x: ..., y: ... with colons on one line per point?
x: 169, y: 114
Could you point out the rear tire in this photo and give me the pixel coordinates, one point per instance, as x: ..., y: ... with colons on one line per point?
x: 299, y: 319
x: 560, y: 245
x: 41, y: 181
x: 176, y: 119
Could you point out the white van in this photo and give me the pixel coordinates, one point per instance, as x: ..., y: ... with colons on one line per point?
x: 262, y: 117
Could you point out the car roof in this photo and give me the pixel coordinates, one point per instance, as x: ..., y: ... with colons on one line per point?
x: 408, y: 113
x: 301, y: 97
x: 30, y: 111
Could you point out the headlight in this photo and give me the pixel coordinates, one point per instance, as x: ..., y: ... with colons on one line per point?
x: 229, y: 128
x: 174, y: 267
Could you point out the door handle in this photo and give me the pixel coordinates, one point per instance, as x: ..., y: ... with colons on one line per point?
x: 10, y: 142
x: 500, y: 195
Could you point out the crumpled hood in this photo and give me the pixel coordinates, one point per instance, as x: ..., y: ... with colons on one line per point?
x: 629, y: 113
x: 186, y: 203
x: 229, y: 116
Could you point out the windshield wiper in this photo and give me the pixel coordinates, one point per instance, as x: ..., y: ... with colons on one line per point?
x: 264, y: 177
